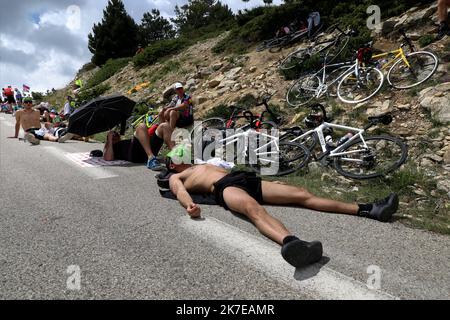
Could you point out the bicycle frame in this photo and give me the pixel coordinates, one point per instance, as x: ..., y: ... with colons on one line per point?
x: 246, y: 134
x: 399, y: 54
x: 323, y: 85
x: 152, y: 113
x: 337, y: 151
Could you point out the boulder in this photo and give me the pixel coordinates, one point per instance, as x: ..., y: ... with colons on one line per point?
x: 204, y: 72
x: 227, y: 84
x: 216, y: 81
x: 443, y: 185
x: 437, y: 100
x: 388, y: 26
x: 446, y: 156
x: 233, y: 73
x: 217, y: 66
x: 199, y: 100
x: 433, y: 157
x: 169, y: 92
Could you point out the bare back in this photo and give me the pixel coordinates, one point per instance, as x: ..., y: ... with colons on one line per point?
x: 200, y: 179
x: 28, y: 119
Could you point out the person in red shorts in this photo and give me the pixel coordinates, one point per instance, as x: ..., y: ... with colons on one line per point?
x: 143, y: 148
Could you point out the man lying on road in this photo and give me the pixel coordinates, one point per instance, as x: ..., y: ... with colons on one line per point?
x: 29, y: 120
x: 143, y: 148
x: 244, y: 193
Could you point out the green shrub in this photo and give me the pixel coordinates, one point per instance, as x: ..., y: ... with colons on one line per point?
x: 93, y: 93
x: 248, y: 14
x: 159, y: 50
x: 220, y: 111
x: 87, y: 67
x: 261, y: 23
x: 426, y: 40
x: 107, y: 71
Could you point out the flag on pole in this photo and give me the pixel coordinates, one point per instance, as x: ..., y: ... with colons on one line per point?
x: 26, y: 88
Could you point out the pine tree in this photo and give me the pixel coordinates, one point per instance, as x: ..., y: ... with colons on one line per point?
x: 116, y: 36
x: 154, y: 27
x: 200, y: 13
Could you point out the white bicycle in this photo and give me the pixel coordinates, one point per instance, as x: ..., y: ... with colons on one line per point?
x: 356, y: 155
x: 259, y: 149
x: 352, y: 81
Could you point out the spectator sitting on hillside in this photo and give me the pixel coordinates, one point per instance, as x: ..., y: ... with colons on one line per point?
x: 180, y: 111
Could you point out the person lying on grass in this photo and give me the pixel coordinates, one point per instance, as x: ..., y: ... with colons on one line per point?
x: 245, y: 193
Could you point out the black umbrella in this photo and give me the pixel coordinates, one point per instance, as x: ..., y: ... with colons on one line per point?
x: 100, y: 115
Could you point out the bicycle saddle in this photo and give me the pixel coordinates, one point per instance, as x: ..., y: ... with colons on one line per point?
x: 385, y: 118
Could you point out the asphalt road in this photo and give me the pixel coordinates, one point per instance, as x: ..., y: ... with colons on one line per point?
x: 129, y: 243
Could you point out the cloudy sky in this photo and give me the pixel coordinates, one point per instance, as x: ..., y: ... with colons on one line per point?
x: 43, y: 42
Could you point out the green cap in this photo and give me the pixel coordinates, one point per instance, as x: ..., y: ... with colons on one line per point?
x: 27, y: 99
x: 181, y: 154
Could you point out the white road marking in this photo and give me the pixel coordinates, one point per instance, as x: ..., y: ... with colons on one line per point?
x: 6, y: 122
x: 315, y: 281
x: 94, y: 172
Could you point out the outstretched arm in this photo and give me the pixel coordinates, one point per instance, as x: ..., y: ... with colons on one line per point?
x: 17, y: 127
x: 178, y: 189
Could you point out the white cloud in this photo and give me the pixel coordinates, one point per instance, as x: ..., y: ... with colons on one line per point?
x: 43, y: 43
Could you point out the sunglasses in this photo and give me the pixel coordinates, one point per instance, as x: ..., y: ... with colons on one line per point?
x: 28, y: 102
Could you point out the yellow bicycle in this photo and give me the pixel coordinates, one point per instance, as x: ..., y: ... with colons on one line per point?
x: 406, y: 69
x: 150, y: 118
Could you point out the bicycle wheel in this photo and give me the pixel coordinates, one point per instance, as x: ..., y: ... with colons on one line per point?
x: 309, y: 141
x: 380, y: 156
x: 267, y: 125
x: 298, y: 57
x: 291, y: 157
x: 211, y: 123
x: 422, y: 65
x: 303, y: 91
x: 332, y: 79
x: 360, y: 87
x: 336, y: 49
x: 276, y: 46
x: 294, y: 59
x: 263, y: 45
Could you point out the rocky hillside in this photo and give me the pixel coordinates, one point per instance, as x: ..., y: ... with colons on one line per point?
x: 421, y: 115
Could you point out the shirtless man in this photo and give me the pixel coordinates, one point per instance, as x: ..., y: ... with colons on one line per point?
x: 244, y: 193
x: 29, y: 120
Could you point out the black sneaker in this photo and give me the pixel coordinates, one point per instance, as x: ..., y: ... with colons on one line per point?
x: 444, y: 30
x: 300, y: 253
x: 382, y: 210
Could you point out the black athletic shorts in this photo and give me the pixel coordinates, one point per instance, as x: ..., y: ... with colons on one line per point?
x: 156, y: 144
x: 132, y: 150
x: 247, y: 181
x: 184, y: 122
x: 33, y: 132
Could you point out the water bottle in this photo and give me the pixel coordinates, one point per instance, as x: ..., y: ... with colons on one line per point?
x: 345, y: 138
